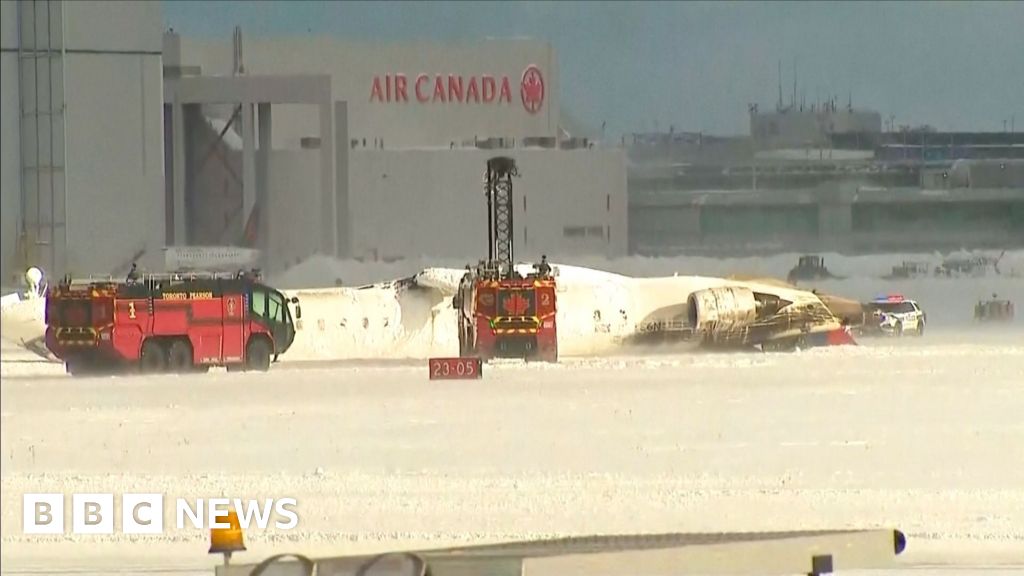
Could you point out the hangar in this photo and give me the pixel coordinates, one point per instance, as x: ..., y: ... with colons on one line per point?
x: 294, y: 146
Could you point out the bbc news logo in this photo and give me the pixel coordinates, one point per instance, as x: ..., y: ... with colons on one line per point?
x: 144, y: 513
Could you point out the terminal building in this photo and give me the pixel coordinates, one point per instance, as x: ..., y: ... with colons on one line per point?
x: 121, y: 139
x: 825, y: 178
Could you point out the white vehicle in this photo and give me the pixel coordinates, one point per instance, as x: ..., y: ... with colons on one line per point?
x: 895, y: 315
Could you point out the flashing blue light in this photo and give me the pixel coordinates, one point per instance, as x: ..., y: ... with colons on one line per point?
x: 889, y: 298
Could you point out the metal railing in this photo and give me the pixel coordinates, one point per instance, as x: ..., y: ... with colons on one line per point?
x: 159, y: 277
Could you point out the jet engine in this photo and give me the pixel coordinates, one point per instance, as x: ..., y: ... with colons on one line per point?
x: 722, y: 308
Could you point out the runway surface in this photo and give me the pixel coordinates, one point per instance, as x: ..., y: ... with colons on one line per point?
x: 924, y: 435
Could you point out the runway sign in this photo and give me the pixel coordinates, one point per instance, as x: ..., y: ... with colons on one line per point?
x: 456, y: 368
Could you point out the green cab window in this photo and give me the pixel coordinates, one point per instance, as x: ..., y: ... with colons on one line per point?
x: 259, y: 303
x: 276, y: 307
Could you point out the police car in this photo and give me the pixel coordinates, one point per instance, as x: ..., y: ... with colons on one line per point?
x: 894, y: 315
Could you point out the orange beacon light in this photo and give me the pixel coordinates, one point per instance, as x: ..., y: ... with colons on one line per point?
x: 227, y: 540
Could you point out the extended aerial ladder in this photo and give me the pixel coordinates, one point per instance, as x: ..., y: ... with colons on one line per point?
x: 503, y: 313
x: 498, y: 190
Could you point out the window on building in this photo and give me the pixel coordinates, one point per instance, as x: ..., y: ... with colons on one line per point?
x: 583, y: 231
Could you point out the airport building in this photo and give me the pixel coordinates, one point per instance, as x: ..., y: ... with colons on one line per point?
x: 824, y: 179
x: 82, y: 143
x: 121, y: 139
x: 381, y: 148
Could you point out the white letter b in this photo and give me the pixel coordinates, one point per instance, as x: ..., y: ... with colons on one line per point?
x: 92, y: 513
x: 43, y: 514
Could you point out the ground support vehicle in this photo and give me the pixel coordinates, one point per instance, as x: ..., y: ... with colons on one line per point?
x: 168, y: 323
x: 810, y: 267
x: 994, y: 310
x: 501, y: 312
x: 909, y: 269
x: 973, y: 266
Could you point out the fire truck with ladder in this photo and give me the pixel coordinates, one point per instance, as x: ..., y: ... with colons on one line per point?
x: 168, y: 323
x: 502, y: 313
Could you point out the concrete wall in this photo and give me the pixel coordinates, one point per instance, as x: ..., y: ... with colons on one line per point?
x: 114, y: 133
x: 430, y: 203
x: 988, y: 174
x: 413, y: 203
x: 850, y: 220
x: 293, y: 216
x: 109, y: 185
x: 354, y: 66
x: 659, y: 229
x: 10, y: 148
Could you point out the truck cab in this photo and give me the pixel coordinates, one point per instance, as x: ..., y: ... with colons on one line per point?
x: 271, y: 307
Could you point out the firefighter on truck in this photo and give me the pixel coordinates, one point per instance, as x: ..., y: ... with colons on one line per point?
x: 169, y: 323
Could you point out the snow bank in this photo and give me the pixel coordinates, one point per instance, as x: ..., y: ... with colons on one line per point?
x: 9, y: 299
x: 23, y: 322
x: 322, y: 272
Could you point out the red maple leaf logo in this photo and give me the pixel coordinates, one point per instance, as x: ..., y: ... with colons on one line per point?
x: 515, y: 305
x: 531, y: 89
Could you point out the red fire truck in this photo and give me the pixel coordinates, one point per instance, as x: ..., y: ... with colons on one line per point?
x: 503, y: 313
x: 168, y: 323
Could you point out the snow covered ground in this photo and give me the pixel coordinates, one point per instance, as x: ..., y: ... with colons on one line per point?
x: 920, y: 434
x: 923, y: 435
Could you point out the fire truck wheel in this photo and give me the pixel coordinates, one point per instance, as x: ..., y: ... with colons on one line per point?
x: 153, y: 358
x: 257, y: 355
x: 179, y: 356
x: 81, y: 367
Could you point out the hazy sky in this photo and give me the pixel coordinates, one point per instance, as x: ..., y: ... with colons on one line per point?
x: 697, y: 65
